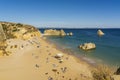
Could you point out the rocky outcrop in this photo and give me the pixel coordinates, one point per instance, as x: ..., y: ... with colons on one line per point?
x: 100, y: 33
x: 15, y: 31
x: 54, y: 32
x: 69, y: 34
x: 19, y: 31
x: 87, y: 46
x: 117, y: 71
x: 62, y: 33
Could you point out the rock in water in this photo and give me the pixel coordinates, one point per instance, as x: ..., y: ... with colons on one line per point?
x: 53, y: 32
x: 100, y: 33
x: 70, y: 34
x: 87, y: 46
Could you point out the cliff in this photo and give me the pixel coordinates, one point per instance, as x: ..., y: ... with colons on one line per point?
x: 15, y: 31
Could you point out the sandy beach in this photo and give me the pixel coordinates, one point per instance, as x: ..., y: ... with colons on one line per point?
x: 34, y: 59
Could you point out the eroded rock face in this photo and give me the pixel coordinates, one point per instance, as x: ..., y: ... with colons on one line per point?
x: 118, y: 71
x: 53, y: 32
x: 15, y: 31
x: 100, y: 33
x: 62, y: 33
x: 87, y: 46
x: 19, y: 31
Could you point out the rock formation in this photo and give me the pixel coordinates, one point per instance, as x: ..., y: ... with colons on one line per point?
x: 100, y: 33
x: 2, y: 34
x: 18, y: 30
x: 53, y: 32
x: 15, y: 31
x: 70, y: 34
x: 87, y: 46
x: 62, y: 33
x: 118, y: 71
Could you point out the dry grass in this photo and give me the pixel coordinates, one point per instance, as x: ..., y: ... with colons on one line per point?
x: 103, y: 72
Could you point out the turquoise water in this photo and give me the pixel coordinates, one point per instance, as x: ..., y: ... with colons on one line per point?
x: 107, y: 50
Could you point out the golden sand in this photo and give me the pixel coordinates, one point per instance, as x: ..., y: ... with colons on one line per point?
x: 34, y: 59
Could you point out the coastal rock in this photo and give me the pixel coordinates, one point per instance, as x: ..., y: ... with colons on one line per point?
x: 87, y: 46
x: 118, y: 71
x: 54, y: 32
x: 70, y: 34
x: 15, y: 31
x: 59, y: 55
x: 61, y: 60
x: 100, y: 33
x: 19, y: 31
x: 62, y: 33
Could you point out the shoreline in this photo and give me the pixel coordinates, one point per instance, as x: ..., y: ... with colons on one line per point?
x: 78, y: 57
x: 35, y: 61
x: 91, y: 61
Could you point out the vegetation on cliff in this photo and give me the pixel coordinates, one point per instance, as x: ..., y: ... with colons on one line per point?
x: 15, y: 31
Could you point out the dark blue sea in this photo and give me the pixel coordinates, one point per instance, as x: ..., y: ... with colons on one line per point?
x: 107, y: 47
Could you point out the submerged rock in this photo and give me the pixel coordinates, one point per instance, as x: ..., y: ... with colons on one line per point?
x: 100, y: 33
x: 87, y: 46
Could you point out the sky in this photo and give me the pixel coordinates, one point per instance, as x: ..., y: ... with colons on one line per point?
x: 62, y: 13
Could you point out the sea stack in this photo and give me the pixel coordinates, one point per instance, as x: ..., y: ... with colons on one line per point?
x: 87, y: 46
x: 100, y: 33
x: 70, y: 34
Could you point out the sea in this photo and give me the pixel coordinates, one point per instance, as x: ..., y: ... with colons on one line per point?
x: 107, y: 47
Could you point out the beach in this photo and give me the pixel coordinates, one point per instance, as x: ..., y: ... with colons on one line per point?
x: 107, y: 46
x: 34, y: 59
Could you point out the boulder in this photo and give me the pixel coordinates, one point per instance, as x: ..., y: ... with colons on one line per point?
x: 61, y: 61
x: 100, y: 33
x: 59, y: 55
x: 87, y: 46
x: 70, y: 34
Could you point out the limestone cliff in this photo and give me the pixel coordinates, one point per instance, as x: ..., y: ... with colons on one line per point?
x: 15, y: 31
x: 18, y: 30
